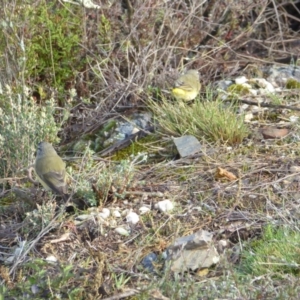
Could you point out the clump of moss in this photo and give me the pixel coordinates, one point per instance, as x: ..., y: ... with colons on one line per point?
x: 292, y: 84
x: 134, y: 148
x: 239, y: 89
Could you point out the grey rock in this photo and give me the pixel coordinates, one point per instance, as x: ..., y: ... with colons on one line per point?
x: 278, y: 76
x: 124, y: 129
x: 223, y: 84
x: 148, y: 260
x: 192, y: 252
x: 187, y: 145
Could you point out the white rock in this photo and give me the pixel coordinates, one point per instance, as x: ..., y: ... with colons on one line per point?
x: 122, y: 231
x: 278, y: 89
x: 243, y: 107
x: 293, y: 119
x: 144, y: 209
x: 89, y: 4
x: 223, y: 243
x: 132, y: 218
x: 105, y: 213
x: 83, y: 217
x: 116, y: 213
x: 51, y: 259
x: 248, y: 117
x: 241, y: 80
x: 269, y: 87
x: 125, y: 212
x: 164, y: 205
x: 135, y: 130
x: 263, y: 83
x: 253, y: 92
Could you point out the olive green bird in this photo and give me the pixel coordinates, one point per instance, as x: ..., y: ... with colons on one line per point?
x: 187, y: 86
x: 51, y: 170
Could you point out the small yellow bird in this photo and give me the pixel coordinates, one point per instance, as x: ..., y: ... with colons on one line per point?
x: 187, y: 86
x: 50, y: 169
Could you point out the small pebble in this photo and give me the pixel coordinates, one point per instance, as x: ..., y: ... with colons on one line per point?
x: 253, y: 92
x: 293, y: 119
x: 116, y: 214
x: 164, y: 206
x: 83, y: 217
x: 144, y: 209
x: 122, y: 231
x: 51, y: 259
x: 147, y: 261
x: 105, y: 213
x: 132, y: 218
x: 248, y: 117
x: 241, y: 80
x: 35, y: 289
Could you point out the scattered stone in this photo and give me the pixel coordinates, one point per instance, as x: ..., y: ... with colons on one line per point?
x: 93, y: 209
x: 187, y: 145
x: 116, y: 213
x: 164, y: 206
x: 123, y: 129
x: 192, y: 252
x: 122, y: 231
x: 16, y: 253
x: 222, y: 245
x: 223, y: 84
x: 241, y: 80
x: 253, y: 92
x: 264, y: 84
x: 35, y: 289
x: 147, y: 262
x: 87, y: 4
x: 271, y: 132
x: 278, y: 76
x: 132, y: 218
x: 144, y: 209
x: 51, y: 259
x: 248, y: 117
x: 295, y: 169
x: 294, y: 119
x: 105, y: 213
x: 83, y: 217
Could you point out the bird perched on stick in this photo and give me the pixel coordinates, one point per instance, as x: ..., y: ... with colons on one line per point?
x: 187, y: 86
x: 51, y: 170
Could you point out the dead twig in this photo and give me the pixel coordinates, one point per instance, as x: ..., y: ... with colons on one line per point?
x: 263, y: 104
